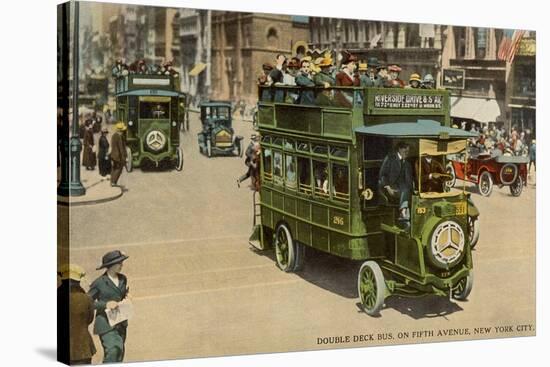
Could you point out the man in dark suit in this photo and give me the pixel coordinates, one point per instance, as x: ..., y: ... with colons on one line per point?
x: 395, y: 180
x: 107, y: 291
x: 118, y: 153
x: 432, y: 174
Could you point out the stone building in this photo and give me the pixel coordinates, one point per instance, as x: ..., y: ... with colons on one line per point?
x: 191, y: 51
x: 242, y: 42
x: 415, y: 47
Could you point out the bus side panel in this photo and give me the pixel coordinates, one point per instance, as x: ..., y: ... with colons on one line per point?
x: 304, y: 233
x: 290, y: 205
x: 407, y: 254
x: 321, y: 238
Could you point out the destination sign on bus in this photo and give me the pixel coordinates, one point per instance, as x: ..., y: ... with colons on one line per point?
x: 150, y: 81
x: 408, y: 101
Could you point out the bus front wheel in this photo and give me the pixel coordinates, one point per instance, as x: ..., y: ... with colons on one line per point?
x: 371, y: 287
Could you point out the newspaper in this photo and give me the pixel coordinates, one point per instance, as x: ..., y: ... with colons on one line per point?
x: 123, y: 312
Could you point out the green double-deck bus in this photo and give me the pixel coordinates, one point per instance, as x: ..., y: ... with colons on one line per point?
x: 322, y: 150
x: 154, y: 110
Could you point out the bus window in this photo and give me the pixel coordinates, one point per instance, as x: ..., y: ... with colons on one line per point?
x: 277, y: 168
x: 340, y: 182
x: 339, y: 152
x: 289, y: 144
x: 290, y: 176
x: 267, y: 164
x: 320, y: 149
x: 304, y: 172
x: 320, y: 171
x: 303, y: 146
x: 154, y: 110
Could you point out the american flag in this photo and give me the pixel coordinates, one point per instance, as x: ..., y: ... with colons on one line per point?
x: 509, y: 44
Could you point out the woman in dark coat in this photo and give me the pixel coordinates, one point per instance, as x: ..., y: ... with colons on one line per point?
x: 104, y: 161
x: 108, y: 291
x: 88, y: 155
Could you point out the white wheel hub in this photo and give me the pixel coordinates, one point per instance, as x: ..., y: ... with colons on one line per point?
x: 447, y: 243
x: 155, y: 140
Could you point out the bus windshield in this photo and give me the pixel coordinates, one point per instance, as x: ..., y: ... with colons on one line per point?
x: 154, y: 110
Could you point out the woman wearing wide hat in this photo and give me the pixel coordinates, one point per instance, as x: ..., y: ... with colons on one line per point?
x: 107, y: 291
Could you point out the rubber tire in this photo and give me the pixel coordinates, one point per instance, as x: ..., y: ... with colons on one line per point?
x: 380, y: 287
x: 451, y: 171
x: 463, y: 294
x: 485, y: 175
x: 291, y: 262
x: 475, y: 234
x: 129, y: 163
x: 516, y: 188
x: 208, y: 148
x: 300, y: 256
x: 179, y: 160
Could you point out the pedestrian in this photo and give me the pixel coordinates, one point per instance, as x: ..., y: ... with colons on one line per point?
x: 104, y: 162
x: 118, y: 152
x: 108, y: 291
x: 75, y: 313
x: 249, y: 159
x: 88, y: 153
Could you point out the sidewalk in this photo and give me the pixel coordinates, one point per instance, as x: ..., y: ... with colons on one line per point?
x: 98, y: 190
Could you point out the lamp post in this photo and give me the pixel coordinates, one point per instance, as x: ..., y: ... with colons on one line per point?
x: 72, y: 147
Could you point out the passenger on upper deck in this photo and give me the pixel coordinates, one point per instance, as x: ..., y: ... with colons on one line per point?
x: 303, y: 79
x: 363, y: 74
x: 346, y: 77
x: 323, y: 78
x: 276, y: 74
x: 289, y: 77
x: 382, y: 74
x: 264, y: 78
x: 373, y: 78
x: 120, y: 68
x: 428, y: 82
x: 394, y: 81
x: 414, y: 81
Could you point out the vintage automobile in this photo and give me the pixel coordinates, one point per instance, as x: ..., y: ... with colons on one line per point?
x: 321, y: 154
x: 217, y: 136
x: 486, y: 170
x: 153, y: 109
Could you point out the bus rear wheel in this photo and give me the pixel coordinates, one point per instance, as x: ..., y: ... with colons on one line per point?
x: 371, y: 287
x: 286, y: 249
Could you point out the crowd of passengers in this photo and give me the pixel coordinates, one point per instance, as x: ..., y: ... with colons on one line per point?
x: 141, y: 67
x: 322, y: 72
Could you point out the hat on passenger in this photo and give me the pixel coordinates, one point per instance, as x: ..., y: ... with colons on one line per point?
x: 394, y: 67
x: 326, y: 61
x: 415, y: 76
x: 363, y: 67
x: 112, y: 258
x: 373, y: 62
x: 267, y: 66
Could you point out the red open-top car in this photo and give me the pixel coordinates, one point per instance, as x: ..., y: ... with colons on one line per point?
x: 486, y: 170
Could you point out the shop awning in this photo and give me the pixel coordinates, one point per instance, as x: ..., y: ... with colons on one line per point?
x: 197, y: 69
x: 479, y: 109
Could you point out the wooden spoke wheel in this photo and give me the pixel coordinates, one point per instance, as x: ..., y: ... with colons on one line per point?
x: 371, y: 287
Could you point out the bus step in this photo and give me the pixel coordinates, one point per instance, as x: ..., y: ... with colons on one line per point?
x: 255, y: 240
x: 395, y: 230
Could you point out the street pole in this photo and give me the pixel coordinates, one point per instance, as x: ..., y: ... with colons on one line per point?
x: 74, y: 186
